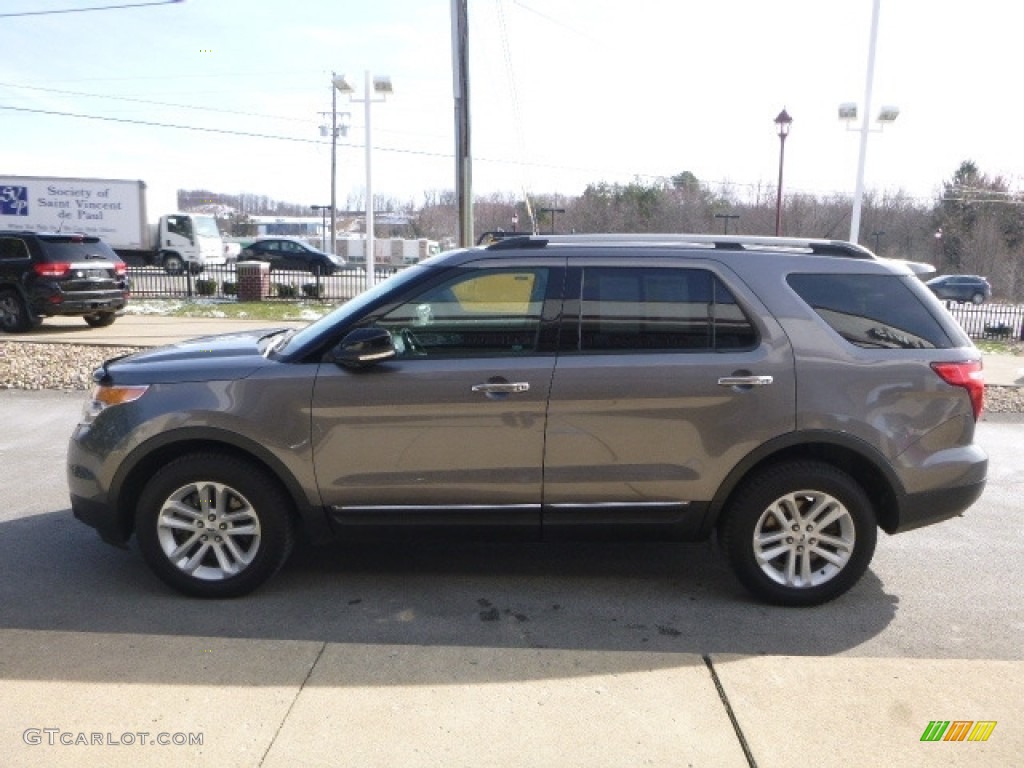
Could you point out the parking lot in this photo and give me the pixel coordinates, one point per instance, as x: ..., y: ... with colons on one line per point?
x: 500, y: 654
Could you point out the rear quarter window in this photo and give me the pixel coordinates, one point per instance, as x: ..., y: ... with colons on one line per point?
x: 872, y: 311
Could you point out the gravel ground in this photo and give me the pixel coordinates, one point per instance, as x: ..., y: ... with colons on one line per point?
x: 70, y: 367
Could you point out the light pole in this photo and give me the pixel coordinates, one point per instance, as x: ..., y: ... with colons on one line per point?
x: 725, y: 217
x: 877, y: 234
x: 323, y: 221
x: 848, y: 112
x: 381, y: 86
x: 782, y: 123
x: 552, y: 211
x: 339, y: 126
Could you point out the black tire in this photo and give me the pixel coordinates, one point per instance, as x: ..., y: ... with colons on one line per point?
x: 100, y: 319
x: 173, y: 264
x: 977, y: 298
x: 760, y: 549
x: 250, y: 520
x: 14, y: 315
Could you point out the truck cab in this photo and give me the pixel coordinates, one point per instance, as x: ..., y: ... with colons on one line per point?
x: 189, y: 238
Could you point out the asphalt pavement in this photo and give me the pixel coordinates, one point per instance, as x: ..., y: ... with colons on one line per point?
x: 462, y: 657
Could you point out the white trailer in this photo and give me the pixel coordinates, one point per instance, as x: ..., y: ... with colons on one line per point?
x: 114, y: 210
x: 388, y: 251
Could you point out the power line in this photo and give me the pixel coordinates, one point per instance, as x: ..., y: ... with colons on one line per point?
x: 222, y: 131
x: 152, y: 102
x: 94, y: 8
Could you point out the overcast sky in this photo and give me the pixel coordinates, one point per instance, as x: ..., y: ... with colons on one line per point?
x: 563, y: 93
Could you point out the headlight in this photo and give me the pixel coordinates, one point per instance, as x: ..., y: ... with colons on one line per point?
x: 104, y: 397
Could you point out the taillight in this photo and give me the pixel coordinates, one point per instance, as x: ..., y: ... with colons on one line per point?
x: 52, y: 269
x: 121, y: 269
x: 968, y: 375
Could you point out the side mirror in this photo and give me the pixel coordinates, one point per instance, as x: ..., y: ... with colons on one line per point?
x: 364, y: 346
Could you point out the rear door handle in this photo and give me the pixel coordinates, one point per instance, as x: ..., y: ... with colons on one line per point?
x: 502, y: 388
x: 745, y: 381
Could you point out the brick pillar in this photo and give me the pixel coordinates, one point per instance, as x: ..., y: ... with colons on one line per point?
x: 253, y: 280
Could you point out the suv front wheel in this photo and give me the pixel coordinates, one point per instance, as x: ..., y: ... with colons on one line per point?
x: 800, y: 533
x: 212, y: 525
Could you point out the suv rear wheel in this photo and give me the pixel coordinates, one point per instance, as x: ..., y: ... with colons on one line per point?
x: 214, y: 526
x: 14, y: 316
x: 799, y: 533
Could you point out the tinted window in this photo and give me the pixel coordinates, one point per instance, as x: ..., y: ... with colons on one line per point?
x: 13, y: 248
x: 872, y: 310
x: 659, y: 309
x: 475, y: 314
x: 70, y: 249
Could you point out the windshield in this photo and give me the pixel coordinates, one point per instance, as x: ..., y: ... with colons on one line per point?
x: 205, y: 226
x: 351, y: 308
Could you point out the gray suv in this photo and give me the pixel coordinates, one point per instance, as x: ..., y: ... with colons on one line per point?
x: 790, y: 396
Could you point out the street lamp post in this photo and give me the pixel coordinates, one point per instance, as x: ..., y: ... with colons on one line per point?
x: 381, y: 86
x: 877, y: 234
x: 323, y: 221
x: 338, y: 127
x: 782, y: 123
x: 552, y: 211
x: 848, y: 112
x: 726, y: 217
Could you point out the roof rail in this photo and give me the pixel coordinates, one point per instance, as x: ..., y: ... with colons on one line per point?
x: 723, y: 242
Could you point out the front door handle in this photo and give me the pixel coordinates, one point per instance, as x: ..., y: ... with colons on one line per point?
x: 745, y: 381
x: 502, y: 387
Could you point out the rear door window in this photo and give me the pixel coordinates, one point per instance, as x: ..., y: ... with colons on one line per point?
x: 659, y: 309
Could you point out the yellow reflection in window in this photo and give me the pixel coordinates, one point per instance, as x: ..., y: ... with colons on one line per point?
x: 506, y: 293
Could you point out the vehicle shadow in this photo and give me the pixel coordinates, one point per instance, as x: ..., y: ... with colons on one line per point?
x: 642, y: 598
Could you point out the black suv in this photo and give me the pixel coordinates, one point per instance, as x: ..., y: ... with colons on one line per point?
x: 43, y: 275
x: 793, y: 396
x: 961, y: 288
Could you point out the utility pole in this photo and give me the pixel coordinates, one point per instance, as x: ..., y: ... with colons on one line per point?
x: 463, y: 158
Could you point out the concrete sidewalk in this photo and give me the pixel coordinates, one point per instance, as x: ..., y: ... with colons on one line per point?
x: 154, y: 330
x: 71, y: 699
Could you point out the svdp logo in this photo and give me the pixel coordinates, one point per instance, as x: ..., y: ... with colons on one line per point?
x: 958, y: 730
x: 13, y: 201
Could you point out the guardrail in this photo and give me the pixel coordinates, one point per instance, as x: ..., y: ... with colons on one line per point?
x: 221, y: 282
x: 990, y: 321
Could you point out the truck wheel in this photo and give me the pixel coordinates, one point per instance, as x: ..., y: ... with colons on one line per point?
x: 212, y: 525
x: 174, y: 264
x: 14, y: 316
x: 100, y: 319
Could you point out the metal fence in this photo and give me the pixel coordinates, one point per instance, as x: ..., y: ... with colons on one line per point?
x: 981, y: 321
x: 990, y: 321
x: 221, y: 282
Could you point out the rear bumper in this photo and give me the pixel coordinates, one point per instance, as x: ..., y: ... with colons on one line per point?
x: 930, y: 507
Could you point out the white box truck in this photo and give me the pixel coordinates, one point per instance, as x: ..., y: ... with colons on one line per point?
x: 114, y: 210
